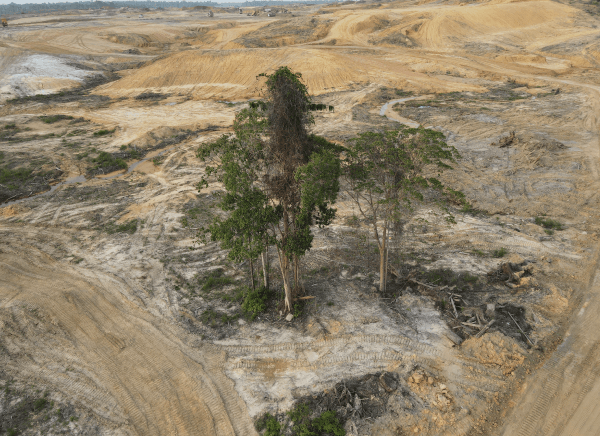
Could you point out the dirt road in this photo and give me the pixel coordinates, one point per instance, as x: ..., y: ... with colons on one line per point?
x: 563, y: 397
x: 138, y: 364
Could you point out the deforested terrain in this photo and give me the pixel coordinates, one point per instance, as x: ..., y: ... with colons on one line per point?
x: 118, y: 318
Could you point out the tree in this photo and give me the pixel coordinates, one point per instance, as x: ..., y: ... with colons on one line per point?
x: 279, y: 179
x: 386, y: 173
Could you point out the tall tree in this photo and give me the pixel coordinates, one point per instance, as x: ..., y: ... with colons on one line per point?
x: 387, y: 172
x: 291, y: 176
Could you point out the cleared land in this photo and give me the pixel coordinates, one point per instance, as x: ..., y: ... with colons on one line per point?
x: 107, y: 314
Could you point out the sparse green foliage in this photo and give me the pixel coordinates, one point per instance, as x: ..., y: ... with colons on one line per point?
x: 386, y: 174
x: 269, y: 423
x: 104, y: 132
x: 126, y: 227
x: 50, y: 119
x: 500, y: 252
x: 39, y: 404
x: 106, y: 161
x: 548, y: 223
x: 256, y: 301
x: 216, y: 279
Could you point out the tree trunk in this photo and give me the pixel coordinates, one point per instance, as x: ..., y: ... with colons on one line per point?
x: 265, y: 266
x: 284, y: 266
x: 382, y: 260
x: 252, y: 274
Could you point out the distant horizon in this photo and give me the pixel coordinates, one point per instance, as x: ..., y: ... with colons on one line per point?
x: 22, y: 2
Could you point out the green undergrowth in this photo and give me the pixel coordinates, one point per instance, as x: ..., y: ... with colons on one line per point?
x: 106, y: 162
x: 129, y: 227
x: 104, y: 132
x: 548, y: 223
x: 214, y: 318
x: 256, y: 301
x: 51, y: 119
x: 301, y: 421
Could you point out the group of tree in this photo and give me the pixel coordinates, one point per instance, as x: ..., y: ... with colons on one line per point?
x: 279, y: 180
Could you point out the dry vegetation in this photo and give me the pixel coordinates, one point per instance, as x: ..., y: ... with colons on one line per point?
x: 111, y: 324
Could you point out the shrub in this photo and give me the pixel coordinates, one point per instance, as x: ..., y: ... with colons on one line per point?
x: 269, y: 423
x: 50, y: 119
x: 256, y: 301
x: 548, y: 223
x: 106, y: 161
x: 216, y: 279
x: 104, y: 132
x: 40, y: 404
x: 500, y: 253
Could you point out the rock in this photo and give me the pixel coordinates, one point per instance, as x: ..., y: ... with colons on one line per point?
x: 506, y: 269
x: 490, y: 309
x: 430, y: 380
x: 241, y: 321
x: 289, y: 317
x: 417, y: 378
x: 443, y: 387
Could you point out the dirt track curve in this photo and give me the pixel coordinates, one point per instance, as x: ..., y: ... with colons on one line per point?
x: 137, y: 363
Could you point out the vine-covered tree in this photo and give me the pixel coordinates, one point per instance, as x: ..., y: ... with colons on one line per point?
x: 387, y: 172
x: 279, y: 179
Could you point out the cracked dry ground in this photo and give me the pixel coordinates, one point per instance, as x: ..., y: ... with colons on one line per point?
x: 104, y: 306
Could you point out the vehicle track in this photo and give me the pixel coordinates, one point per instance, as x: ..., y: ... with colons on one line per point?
x: 563, y: 397
x: 162, y: 385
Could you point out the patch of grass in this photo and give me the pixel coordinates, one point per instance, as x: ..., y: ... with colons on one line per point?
x: 213, y: 318
x: 129, y: 227
x: 549, y: 231
x: 76, y: 133
x: 11, y: 126
x: 548, y: 223
x: 51, y: 119
x: 215, y: 279
x: 16, y: 175
x: 402, y: 93
x: 479, y: 253
x: 500, y: 253
x: 469, y: 209
x: 352, y: 221
x: 157, y: 160
x: 39, y: 404
x: 256, y: 301
x: 106, y: 161
x: 104, y: 132
x: 330, y: 303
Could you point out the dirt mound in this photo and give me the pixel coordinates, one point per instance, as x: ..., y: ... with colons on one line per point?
x: 495, y: 349
x: 297, y: 30
x: 495, y: 22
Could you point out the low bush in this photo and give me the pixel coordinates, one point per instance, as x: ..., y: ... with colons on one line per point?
x: 500, y: 253
x: 106, y: 161
x: 104, y: 132
x: 256, y: 301
x: 51, y: 119
x: 548, y: 223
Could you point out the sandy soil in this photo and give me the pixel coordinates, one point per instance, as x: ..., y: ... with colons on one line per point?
x: 101, y: 298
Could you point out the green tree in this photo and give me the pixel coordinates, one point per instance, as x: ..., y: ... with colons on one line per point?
x: 279, y: 179
x: 386, y: 173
